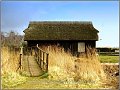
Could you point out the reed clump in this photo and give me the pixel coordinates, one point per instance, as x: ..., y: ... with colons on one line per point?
x: 9, y: 64
x: 88, y: 67
x: 61, y: 64
x: 83, y: 69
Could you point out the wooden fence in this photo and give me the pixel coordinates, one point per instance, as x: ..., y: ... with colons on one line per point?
x: 42, y: 59
x: 40, y: 55
x: 109, y: 53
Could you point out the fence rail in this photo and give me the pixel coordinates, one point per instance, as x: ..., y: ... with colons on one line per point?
x: 40, y: 55
x: 42, y: 59
x: 109, y: 53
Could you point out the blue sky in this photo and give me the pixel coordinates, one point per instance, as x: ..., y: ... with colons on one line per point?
x: 103, y: 14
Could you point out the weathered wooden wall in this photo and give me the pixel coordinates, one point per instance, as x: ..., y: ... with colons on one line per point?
x: 68, y: 45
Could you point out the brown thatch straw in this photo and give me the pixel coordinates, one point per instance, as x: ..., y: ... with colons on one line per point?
x: 61, y: 30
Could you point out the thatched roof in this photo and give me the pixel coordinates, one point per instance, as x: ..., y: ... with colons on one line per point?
x: 60, y: 30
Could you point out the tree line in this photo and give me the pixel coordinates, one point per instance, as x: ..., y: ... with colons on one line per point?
x: 11, y: 39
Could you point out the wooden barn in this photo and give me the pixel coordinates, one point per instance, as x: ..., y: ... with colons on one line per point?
x: 71, y: 35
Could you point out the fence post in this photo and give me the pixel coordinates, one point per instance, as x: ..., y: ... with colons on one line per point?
x: 47, y: 62
x: 40, y: 57
x: 21, y: 51
x: 21, y: 57
x: 38, y: 53
x: 43, y: 61
x: 20, y: 60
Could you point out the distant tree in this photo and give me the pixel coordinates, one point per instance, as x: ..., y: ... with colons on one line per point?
x: 2, y: 38
x: 11, y: 39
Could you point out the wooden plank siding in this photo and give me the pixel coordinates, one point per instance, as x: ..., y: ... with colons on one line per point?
x: 71, y: 46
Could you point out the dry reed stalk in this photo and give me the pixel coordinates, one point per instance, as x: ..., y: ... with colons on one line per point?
x: 61, y: 64
x: 4, y: 60
x: 89, y: 68
x: 9, y: 60
x: 86, y: 68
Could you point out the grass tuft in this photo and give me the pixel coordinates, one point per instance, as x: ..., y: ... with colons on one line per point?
x: 12, y: 79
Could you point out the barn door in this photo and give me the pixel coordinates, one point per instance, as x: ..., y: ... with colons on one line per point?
x: 81, y: 47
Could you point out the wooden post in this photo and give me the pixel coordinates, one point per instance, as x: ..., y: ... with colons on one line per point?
x: 48, y: 49
x: 47, y: 62
x: 21, y: 57
x: 21, y: 52
x: 40, y: 57
x: 43, y: 61
x: 31, y: 51
x: 20, y: 60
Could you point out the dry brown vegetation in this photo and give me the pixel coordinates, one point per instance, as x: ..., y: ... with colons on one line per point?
x: 9, y: 65
x: 83, y: 69
x: 9, y: 60
x: 112, y: 74
x: 88, y: 67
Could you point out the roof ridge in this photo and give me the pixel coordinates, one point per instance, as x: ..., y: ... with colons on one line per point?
x: 81, y: 22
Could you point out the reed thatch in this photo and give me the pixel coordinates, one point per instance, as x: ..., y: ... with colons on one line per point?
x: 61, y: 30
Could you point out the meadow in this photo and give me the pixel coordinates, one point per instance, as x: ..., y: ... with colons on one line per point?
x: 109, y: 59
x: 65, y: 71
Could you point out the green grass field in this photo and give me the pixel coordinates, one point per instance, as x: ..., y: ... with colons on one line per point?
x: 45, y: 83
x: 109, y: 59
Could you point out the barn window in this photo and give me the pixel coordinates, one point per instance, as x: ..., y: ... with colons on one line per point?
x: 81, y: 47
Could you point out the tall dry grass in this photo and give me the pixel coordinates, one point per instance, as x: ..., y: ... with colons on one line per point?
x: 88, y: 67
x: 64, y: 66
x: 9, y: 60
x: 61, y: 64
x: 9, y: 65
